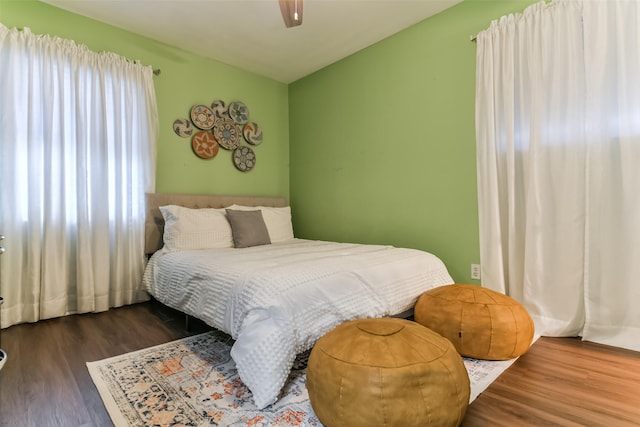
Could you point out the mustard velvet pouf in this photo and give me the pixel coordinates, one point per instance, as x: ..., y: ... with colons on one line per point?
x: 481, y: 323
x: 386, y: 372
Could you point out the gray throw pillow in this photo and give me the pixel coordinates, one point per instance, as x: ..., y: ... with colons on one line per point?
x: 248, y: 228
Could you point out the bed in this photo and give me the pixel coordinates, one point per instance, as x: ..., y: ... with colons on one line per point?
x: 275, y: 298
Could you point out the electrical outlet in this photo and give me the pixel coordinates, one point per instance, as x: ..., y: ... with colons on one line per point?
x: 475, y: 271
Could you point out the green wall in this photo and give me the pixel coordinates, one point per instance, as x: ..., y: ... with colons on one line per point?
x: 377, y: 148
x: 185, y: 80
x: 383, y: 142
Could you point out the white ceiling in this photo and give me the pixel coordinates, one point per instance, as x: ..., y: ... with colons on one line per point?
x: 250, y: 34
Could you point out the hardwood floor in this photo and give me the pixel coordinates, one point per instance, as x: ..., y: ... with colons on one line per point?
x: 45, y: 382
x: 563, y: 382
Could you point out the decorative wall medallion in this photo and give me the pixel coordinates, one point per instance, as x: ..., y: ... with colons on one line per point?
x: 219, y: 109
x: 183, y: 128
x: 244, y: 158
x: 227, y: 133
x: 204, y: 144
x: 239, y: 112
x: 202, y: 117
x: 221, y: 125
x: 252, y: 133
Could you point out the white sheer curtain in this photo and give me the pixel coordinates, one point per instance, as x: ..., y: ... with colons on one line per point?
x: 77, y: 154
x: 558, y: 146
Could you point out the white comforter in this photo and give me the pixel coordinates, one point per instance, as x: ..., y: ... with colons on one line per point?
x: 277, y: 300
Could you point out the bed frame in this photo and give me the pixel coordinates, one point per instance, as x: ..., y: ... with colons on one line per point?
x: 154, y: 223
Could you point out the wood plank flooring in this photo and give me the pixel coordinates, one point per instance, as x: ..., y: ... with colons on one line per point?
x: 563, y: 382
x: 45, y: 382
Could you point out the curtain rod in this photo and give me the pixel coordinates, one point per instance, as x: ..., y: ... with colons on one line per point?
x: 156, y: 71
x: 471, y: 39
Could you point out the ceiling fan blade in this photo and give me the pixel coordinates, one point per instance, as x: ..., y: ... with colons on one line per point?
x: 291, y: 12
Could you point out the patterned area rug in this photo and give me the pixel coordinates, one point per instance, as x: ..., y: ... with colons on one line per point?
x: 193, y: 382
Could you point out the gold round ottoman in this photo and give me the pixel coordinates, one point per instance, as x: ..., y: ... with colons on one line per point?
x: 386, y: 372
x: 481, y: 323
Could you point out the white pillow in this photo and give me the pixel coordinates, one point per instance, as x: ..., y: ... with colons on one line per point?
x: 277, y: 220
x: 186, y: 228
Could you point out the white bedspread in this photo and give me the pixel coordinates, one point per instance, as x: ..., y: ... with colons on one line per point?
x: 277, y: 300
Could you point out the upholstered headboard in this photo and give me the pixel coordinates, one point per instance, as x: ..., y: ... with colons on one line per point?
x: 154, y: 223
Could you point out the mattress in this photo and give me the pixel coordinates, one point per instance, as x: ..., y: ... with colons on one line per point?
x: 277, y: 300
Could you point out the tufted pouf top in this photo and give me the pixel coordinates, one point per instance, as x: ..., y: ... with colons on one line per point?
x: 481, y: 323
x: 386, y: 372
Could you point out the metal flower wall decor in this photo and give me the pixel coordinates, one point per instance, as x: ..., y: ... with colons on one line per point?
x: 221, y: 126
